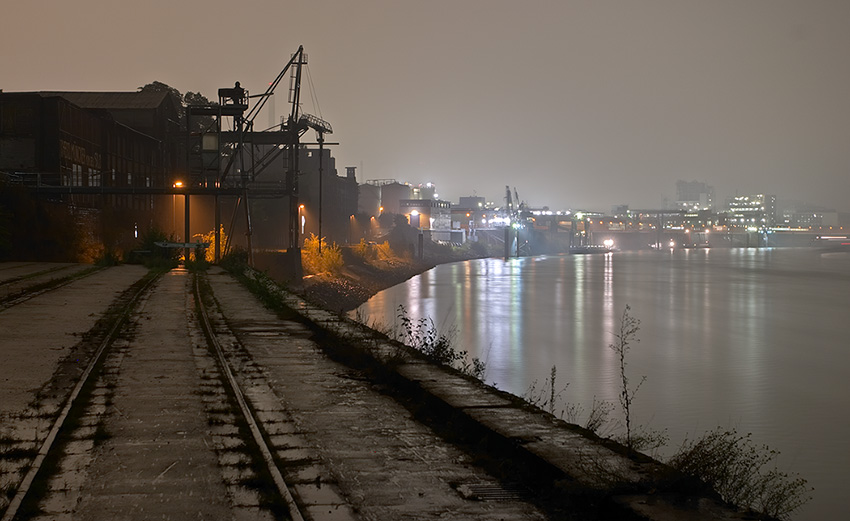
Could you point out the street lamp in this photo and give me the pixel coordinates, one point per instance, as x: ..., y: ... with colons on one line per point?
x: 176, y: 184
x: 301, y: 218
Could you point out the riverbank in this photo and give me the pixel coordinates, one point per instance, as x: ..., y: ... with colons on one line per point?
x: 572, y: 472
x: 361, y: 278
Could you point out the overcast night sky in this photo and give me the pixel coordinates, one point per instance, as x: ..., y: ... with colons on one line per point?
x: 575, y: 103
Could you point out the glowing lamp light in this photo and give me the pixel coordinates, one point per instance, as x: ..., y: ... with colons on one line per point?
x: 414, y: 213
x: 178, y: 184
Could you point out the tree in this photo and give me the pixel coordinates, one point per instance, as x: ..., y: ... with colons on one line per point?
x: 199, y: 123
x: 158, y: 86
x: 182, y: 101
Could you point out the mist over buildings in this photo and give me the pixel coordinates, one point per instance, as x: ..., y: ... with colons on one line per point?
x: 577, y: 104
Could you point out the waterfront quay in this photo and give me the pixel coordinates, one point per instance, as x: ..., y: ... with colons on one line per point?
x: 128, y: 394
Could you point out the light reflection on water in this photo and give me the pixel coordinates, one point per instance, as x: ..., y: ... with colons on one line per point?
x: 746, y: 338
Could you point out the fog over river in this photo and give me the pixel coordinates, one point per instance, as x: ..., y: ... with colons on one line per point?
x: 755, y: 339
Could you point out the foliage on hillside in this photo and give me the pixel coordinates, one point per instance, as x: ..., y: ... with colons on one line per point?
x: 209, y: 238
x: 317, y: 256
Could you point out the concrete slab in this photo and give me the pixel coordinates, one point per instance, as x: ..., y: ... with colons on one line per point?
x: 456, y: 391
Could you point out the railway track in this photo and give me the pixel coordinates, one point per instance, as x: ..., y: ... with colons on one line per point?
x: 259, y: 436
x: 18, y: 289
x: 196, y: 403
x: 45, y: 456
x: 54, y: 478
x: 17, y: 278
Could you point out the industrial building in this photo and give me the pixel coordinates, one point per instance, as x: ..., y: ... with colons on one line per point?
x: 334, y: 208
x: 116, y: 142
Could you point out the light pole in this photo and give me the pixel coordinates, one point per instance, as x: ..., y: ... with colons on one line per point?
x: 176, y: 184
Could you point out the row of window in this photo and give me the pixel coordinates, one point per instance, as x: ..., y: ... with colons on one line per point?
x: 82, y: 176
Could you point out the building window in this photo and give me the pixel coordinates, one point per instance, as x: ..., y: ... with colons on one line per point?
x: 94, y: 177
x: 76, y: 175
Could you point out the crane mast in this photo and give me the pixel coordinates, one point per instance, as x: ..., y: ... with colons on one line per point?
x: 233, y: 102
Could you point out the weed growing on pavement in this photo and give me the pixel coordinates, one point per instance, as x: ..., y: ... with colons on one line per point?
x: 742, y: 473
x: 597, y: 419
x: 422, y: 335
x: 546, y: 396
x: 235, y: 261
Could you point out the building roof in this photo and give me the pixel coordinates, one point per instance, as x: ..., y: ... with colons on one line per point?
x: 111, y: 100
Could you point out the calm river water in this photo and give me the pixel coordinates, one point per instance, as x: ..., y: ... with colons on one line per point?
x: 755, y: 339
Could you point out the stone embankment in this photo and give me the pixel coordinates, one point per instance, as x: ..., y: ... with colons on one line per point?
x: 568, y: 461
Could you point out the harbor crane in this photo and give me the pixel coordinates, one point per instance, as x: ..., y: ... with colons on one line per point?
x: 262, y: 147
